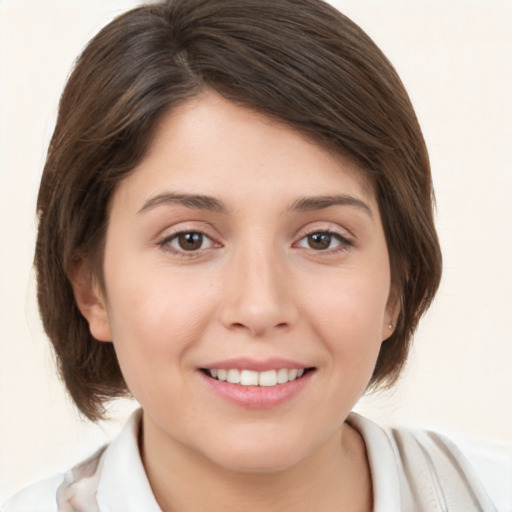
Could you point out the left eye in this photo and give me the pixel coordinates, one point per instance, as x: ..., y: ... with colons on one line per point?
x: 188, y: 241
x: 322, y: 241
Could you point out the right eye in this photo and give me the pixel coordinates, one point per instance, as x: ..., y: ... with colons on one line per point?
x: 327, y: 241
x: 187, y: 242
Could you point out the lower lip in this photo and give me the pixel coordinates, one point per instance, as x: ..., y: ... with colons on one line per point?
x: 257, y: 397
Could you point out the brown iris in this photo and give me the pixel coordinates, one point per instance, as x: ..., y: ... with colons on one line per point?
x: 190, y: 241
x: 319, y: 241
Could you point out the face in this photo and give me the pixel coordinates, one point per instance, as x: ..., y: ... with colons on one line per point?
x: 247, y: 287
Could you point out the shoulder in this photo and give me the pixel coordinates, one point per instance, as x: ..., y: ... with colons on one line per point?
x: 112, y: 479
x: 478, y: 470
x: 74, y: 487
x: 432, y: 468
x: 38, y: 497
x: 492, y: 466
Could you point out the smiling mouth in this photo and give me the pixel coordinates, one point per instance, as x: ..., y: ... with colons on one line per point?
x: 267, y: 378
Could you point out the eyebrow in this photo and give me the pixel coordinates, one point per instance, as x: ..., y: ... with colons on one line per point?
x: 195, y: 201
x: 322, y: 202
x: 209, y: 203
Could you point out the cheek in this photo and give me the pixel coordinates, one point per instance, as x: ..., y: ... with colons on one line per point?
x: 155, y: 317
x: 350, y: 306
x: 347, y: 314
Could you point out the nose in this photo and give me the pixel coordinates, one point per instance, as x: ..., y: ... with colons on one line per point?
x: 257, y: 294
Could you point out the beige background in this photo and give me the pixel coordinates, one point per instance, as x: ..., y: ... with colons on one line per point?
x: 455, y: 59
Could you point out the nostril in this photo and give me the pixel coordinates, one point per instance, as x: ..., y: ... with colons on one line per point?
x: 258, y: 317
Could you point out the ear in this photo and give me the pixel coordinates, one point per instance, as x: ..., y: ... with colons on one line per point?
x: 391, y: 314
x: 90, y: 301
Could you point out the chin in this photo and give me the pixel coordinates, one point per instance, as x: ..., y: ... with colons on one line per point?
x: 268, y: 454
x: 263, y: 462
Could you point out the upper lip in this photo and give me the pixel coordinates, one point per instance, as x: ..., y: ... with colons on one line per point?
x: 245, y: 363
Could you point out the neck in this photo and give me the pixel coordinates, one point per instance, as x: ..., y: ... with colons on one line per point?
x: 335, y: 477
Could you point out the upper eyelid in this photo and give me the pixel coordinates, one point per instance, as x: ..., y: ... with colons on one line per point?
x: 171, y: 236
x: 187, y: 227
x: 174, y: 234
x: 166, y: 244
x: 341, y: 238
x: 332, y: 231
x: 210, y: 232
x: 344, y: 236
x: 324, y: 227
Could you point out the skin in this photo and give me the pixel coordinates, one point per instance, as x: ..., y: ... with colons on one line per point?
x: 256, y: 287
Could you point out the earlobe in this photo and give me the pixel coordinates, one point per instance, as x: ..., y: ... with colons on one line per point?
x: 391, y: 316
x: 387, y: 330
x: 90, y: 301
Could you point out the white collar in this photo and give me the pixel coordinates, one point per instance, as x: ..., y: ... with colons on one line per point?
x: 124, y: 484
x: 383, y: 466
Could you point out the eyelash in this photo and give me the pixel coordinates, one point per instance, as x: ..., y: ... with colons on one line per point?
x: 165, y: 243
x: 344, y: 243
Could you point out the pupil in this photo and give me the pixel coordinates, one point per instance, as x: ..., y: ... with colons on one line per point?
x: 319, y: 241
x: 190, y: 241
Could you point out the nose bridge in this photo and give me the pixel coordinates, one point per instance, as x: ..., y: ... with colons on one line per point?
x: 256, y: 296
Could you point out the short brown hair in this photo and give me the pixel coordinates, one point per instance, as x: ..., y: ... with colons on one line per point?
x: 301, y: 61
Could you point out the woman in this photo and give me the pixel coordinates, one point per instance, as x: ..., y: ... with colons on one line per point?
x: 236, y: 228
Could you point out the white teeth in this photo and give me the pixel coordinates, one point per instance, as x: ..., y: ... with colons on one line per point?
x: 282, y: 376
x: 251, y: 378
x: 233, y: 376
x: 248, y: 378
x: 268, y: 378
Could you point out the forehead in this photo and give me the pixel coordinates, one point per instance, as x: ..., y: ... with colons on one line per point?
x: 210, y: 144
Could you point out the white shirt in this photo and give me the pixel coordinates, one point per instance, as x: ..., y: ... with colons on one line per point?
x: 412, y: 471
